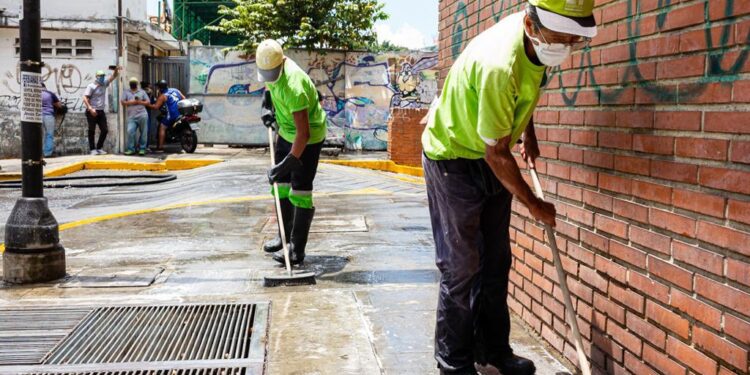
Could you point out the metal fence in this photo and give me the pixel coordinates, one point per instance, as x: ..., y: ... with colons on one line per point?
x: 174, y: 70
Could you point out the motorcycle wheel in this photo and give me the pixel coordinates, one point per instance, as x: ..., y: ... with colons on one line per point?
x: 189, y: 140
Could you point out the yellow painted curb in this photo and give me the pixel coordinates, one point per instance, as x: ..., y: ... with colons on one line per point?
x: 124, y: 165
x: 249, y: 198
x: 65, y: 170
x: 184, y: 164
x: 167, y: 165
x: 379, y: 165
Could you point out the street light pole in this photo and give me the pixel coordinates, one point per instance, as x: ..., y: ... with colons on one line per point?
x: 122, y: 62
x: 32, y: 242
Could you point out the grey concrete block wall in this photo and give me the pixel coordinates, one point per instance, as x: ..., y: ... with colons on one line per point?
x: 71, y: 138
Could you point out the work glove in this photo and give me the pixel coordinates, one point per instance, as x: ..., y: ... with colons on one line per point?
x: 267, y: 114
x: 288, y: 165
x: 269, y: 119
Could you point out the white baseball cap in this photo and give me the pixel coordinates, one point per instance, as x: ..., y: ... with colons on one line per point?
x: 573, y: 17
x: 269, y: 59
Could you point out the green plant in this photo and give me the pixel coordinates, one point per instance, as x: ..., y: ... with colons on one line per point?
x: 310, y: 24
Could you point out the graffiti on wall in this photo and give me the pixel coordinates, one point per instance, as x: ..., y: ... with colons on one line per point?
x: 722, y: 67
x: 64, y: 80
x: 664, y: 93
x: 357, y: 90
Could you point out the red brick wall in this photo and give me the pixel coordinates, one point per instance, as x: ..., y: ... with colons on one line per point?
x: 646, y: 146
x: 404, y: 136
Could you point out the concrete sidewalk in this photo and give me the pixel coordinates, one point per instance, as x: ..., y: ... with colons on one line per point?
x: 199, y: 238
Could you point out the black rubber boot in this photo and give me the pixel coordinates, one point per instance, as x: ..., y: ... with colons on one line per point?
x: 287, y: 214
x: 302, y: 221
x: 466, y: 371
x: 514, y: 364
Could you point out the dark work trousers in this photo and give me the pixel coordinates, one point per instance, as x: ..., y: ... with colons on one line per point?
x: 101, y: 120
x: 302, y: 180
x: 470, y: 213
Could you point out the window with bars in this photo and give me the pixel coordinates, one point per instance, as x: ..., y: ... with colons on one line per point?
x: 63, y: 48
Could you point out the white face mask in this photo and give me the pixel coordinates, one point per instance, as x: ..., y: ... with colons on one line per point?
x: 550, y: 54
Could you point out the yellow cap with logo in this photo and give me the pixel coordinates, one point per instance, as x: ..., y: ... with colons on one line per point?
x: 269, y: 58
x: 575, y: 17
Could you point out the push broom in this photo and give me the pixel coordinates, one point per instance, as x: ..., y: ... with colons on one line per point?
x: 289, y: 278
x: 582, y: 360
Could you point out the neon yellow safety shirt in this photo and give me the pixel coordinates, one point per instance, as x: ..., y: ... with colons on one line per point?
x: 491, y: 91
x: 294, y: 92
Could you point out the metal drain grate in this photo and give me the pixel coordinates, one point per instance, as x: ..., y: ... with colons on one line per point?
x: 26, y: 335
x: 204, y: 371
x: 220, y: 339
x: 158, y: 333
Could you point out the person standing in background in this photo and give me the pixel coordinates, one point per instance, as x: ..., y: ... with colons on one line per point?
x: 94, y: 100
x: 146, y: 86
x: 50, y: 101
x: 168, y: 98
x: 135, y: 101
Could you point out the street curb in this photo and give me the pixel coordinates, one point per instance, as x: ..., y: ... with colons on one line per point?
x: 167, y: 165
x: 379, y: 165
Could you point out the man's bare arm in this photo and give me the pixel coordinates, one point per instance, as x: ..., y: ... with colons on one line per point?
x: 503, y: 164
x: 302, y: 122
x: 159, y: 102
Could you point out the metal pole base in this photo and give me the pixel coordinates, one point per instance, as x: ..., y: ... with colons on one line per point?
x: 33, y: 253
x: 36, y: 267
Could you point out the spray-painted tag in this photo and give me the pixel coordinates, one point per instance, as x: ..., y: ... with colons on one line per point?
x: 31, y: 97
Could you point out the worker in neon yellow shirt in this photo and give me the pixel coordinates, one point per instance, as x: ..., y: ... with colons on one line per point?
x: 486, y: 105
x: 302, y: 130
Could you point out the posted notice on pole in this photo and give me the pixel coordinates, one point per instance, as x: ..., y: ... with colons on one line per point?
x: 31, y: 97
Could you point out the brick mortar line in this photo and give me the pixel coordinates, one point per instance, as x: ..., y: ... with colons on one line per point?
x: 664, y: 182
x: 725, y: 222
x: 676, y: 82
x: 649, y: 108
x: 702, y: 134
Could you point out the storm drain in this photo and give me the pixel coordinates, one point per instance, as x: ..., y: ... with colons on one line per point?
x: 27, y: 335
x: 167, y: 339
x: 217, y: 371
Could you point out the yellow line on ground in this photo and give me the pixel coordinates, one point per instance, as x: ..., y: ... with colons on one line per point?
x: 249, y: 198
x: 119, y: 215
x: 379, y: 165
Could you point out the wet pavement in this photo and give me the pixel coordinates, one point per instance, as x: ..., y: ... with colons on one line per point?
x: 198, y: 239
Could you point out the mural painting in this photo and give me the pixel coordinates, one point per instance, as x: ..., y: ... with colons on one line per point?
x: 357, y: 89
x: 722, y: 67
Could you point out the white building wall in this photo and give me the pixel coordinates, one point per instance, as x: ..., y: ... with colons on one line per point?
x: 136, y: 49
x: 65, y: 23
x: 80, y: 9
x: 66, y: 76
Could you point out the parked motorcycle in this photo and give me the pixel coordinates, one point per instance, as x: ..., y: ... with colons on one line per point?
x: 183, y: 130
